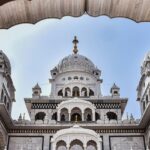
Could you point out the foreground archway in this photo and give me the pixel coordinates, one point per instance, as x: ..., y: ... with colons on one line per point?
x: 135, y: 10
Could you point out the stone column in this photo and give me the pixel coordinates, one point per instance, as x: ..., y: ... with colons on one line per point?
x: 82, y: 116
x: 58, y: 116
x: 69, y: 116
x: 93, y: 114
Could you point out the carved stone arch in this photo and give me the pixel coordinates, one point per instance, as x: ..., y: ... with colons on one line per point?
x: 111, y: 116
x: 67, y: 92
x: 61, y: 145
x: 76, y: 114
x: 40, y: 116
x: 76, y: 91
x: 91, y: 145
x: 76, y: 144
x: 84, y: 92
x: 88, y: 114
x: 60, y: 92
x: 91, y: 92
x: 64, y: 115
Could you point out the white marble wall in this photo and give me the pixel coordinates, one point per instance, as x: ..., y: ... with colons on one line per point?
x: 25, y: 143
x: 127, y: 143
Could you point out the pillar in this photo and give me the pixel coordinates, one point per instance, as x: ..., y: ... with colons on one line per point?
x: 69, y: 116
x: 82, y: 116
x: 58, y: 116
x: 93, y: 114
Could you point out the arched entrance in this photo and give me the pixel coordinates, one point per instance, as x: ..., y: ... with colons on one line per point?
x: 76, y: 92
x: 76, y: 145
x: 61, y: 145
x: 76, y: 114
x: 91, y: 145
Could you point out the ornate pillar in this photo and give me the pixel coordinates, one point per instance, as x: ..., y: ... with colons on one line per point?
x: 82, y: 116
x: 58, y: 116
x: 69, y: 116
x: 84, y: 146
x: 93, y: 114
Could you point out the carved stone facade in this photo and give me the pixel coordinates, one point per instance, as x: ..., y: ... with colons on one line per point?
x: 76, y: 116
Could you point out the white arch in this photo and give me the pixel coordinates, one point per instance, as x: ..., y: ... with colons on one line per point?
x: 76, y: 133
x: 76, y: 102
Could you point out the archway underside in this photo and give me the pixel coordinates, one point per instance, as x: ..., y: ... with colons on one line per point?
x: 13, y: 12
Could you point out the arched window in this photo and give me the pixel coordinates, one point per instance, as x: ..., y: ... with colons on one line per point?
x: 91, y: 145
x: 91, y: 93
x: 76, y: 114
x: 54, y: 116
x: 76, y: 145
x: 76, y: 92
x: 76, y: 78
x: 89, y: 118
x: 88, y: 114
x: 67, y: 92
x: 2, y: 96
x: 40, y: 116
x: 60, y: 93
x: 69, y: 78
x: 111, y: 116
x: 84, y: 92
x: 63, y: 118
x: 97, y: 116
x: 61, y: 145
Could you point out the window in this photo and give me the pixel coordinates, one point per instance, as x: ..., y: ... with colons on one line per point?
x: 91, y: 93
x: 40, y: 116
x: 81, y: 78
x: 69, y: 78
x: 54, y: 73
x: 111, y: 116
x: 54, y: 116
x: 76, y: 92
x: 75, y: 78
x: 60, y: 93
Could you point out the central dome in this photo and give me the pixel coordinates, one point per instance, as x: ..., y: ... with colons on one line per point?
x: 76, y: 62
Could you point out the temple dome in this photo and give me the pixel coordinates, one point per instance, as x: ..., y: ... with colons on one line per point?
x: 76, y: 62
x: 4, y: 59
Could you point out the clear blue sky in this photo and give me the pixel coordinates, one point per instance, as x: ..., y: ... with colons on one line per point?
x: 116, y: 46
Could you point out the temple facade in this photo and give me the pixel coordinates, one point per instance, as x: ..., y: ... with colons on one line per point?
x: 75, y: 115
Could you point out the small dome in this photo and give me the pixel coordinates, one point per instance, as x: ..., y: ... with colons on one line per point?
x: 76, y: 62
x: 5, y: 60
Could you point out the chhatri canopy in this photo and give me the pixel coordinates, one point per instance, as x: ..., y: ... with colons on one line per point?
x: 14, y: 12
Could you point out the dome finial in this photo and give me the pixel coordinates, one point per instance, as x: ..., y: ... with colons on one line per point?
x: 75, y: 42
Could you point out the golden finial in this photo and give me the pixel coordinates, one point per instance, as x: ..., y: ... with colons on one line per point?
x: 75, y: 42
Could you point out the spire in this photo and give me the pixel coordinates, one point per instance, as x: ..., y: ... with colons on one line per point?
x: 75, y: 42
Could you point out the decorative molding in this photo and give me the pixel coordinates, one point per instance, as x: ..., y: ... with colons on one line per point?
x: 53, y: 131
